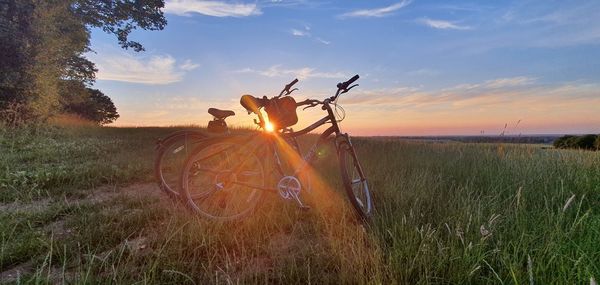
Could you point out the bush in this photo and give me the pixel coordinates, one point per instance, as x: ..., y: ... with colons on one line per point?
x: 563, y: 142
x: 589, y: 142
x: 586, y: 142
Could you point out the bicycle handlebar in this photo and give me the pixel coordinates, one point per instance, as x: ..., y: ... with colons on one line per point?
x: 286, y: 90
x: 344, y: 85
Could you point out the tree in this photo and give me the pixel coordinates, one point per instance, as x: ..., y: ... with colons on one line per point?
x: 120, y: 17
x: 597, y: 144
x: 44, y: 42
x: 94, y: 106
x: 589, y: 142
x: 87, y: 103
x: 563, y: 142
x: 586, y: 142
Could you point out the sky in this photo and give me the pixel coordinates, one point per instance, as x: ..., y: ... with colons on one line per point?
x: 426, y: 67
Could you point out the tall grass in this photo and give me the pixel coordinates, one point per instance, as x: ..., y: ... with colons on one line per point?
x: 445, y: 213
x: 468, y: 213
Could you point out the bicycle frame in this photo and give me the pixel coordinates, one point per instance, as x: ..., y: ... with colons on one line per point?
x: 271, y: 144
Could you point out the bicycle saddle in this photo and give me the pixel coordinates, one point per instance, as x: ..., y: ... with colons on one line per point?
x: 220, y: 114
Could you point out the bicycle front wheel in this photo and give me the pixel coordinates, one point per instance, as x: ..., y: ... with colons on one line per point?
x: 354, y: 181
x: 220, y: 181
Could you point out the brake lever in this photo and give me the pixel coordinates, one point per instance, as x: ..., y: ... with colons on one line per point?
x: 348, y: 89
x: 290, y: 91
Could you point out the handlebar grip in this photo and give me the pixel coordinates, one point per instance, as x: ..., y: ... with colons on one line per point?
x: 287, y: 87
x: 344, y: 86
x: 349, y: 82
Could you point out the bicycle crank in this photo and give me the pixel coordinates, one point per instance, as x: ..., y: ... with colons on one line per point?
x: 289, y: 187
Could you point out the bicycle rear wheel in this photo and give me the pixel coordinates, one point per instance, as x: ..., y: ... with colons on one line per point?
x: 221, y: 181
x: 354, y: 180
x: 170, y: 157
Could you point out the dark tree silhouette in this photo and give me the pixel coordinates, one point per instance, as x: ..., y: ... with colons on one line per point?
x: 589, y: 142
x: 97, y: 107
x: 120, y: 17
x: 44, y: 42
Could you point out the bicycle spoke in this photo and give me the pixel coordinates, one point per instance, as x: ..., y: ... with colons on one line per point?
x: 209, y: 170
x: 251, y: 195
x: 221, y: 178
x: 360, y: 202
x: 175, y: 151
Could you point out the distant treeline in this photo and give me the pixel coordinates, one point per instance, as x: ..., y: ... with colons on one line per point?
x: 590, y: 142
x: 528, y: 139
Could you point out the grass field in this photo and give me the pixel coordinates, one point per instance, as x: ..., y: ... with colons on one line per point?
x: 79, y: 205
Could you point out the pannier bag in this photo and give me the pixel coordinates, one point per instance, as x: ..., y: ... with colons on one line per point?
x: 217, y: 126
x: 282, y: 112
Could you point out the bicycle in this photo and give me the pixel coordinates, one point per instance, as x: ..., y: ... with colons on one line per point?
x: 172, y: 150
x: 225, y: 178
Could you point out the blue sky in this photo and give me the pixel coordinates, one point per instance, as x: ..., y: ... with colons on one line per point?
x: 427, y: 67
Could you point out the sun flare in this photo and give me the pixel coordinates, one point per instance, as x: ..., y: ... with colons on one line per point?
x: 269, y: 127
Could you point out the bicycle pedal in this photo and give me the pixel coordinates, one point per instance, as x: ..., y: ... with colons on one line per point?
x: 304, y: 208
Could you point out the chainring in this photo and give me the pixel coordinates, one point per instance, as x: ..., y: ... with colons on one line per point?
x: 287, y: 186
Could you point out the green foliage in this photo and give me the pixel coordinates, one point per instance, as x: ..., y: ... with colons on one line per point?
x: 577, y: 142
x: 562, y: 142
x: 44, y: 36
x: 44, y: 42
x: 120, y: 17
x: 87, y: 103
x: 597, y: 143
x: 586, y: 142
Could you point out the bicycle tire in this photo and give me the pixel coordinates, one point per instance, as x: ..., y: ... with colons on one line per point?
x: 205, y: 173
x: 167, y: 176
x: 352, y: 175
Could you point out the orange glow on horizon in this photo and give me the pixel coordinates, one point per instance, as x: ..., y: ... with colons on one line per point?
x: 561, y: 109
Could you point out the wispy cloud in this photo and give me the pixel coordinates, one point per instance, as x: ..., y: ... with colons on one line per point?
x: 299, y: 33
x: 376, y: 12
x: 156, y: 69
x: 323, y: 41
x: 305, y: 32
x: 423, y: 72
x: 509, y: 82
x: 300, y: 73
x: 188, y: 65
x: 566, y: 107
x: 497, y: 94
x: 442, y: 24
x: 498, y: 83
x: 211, y: 8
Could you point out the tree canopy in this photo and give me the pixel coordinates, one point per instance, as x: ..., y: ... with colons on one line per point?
x: 589, y: 142
x: 43, y: 66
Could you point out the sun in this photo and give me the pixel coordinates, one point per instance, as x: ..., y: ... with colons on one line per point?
x: 269, y: 127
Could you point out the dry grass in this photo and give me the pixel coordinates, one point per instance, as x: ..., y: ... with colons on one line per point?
x: 79, y: 205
